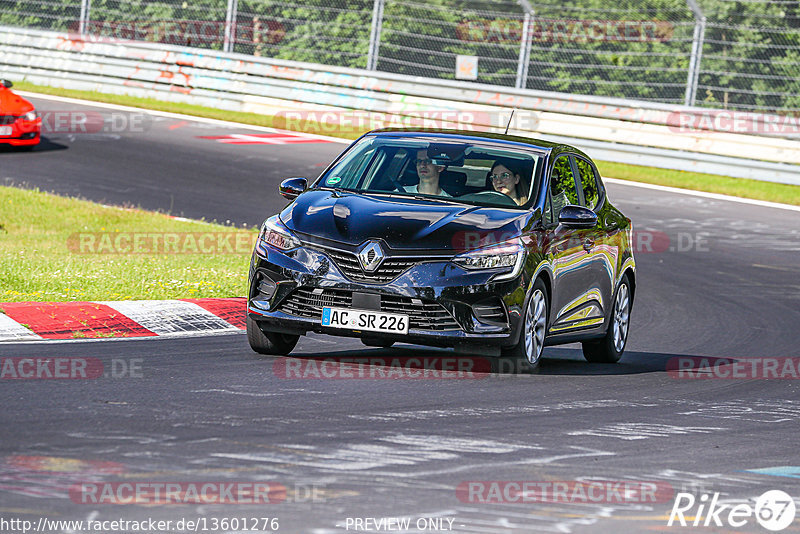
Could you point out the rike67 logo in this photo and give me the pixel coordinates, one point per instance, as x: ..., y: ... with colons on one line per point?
x: 774, y: 510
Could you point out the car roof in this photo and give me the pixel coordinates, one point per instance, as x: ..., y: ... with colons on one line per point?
x: 466, y: 135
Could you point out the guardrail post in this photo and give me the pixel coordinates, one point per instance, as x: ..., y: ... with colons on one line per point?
x: 525, y: 46
x: 375, y: 35
x: 86, y: 7
x: 230, y: 25
x: 697, y: 53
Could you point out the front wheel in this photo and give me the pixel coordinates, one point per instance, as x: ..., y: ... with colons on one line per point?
x: 610, y: 348
x: 528, y: 351
x: 269, y: 342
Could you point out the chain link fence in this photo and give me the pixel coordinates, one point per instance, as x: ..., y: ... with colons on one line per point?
x: 742, y: 54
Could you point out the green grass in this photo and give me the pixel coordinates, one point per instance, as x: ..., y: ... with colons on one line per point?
x: 712, y: 183
x: 738, y: 187
x: 40, y: 258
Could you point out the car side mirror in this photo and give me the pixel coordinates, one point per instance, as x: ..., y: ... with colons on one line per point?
x: 292, y: 187
x: 573, y: 216
x: 7, y: 84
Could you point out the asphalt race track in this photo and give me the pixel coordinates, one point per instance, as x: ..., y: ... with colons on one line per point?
x: 724, y: 282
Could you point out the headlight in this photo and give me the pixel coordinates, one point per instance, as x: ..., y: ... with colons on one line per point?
x: 274, y: 234
x: 30, y: 116
x: 506, y: 257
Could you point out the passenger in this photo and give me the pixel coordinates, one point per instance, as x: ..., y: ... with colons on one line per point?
x: 506, y: 177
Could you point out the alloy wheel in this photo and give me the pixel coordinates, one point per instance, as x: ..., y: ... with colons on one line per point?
x: 621, y: 318
x: 535, y: 319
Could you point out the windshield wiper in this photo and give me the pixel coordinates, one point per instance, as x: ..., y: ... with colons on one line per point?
x: 446, y: 200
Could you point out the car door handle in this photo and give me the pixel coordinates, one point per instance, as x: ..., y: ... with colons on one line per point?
x: 587, y: 245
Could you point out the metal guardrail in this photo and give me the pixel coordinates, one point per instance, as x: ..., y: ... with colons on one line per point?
x: 610, y: 129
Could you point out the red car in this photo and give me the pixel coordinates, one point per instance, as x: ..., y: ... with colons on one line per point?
x: 20, y: 124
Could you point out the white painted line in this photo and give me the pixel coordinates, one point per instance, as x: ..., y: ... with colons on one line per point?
x: 11, y: 330
x: 180, y: 116
x: 176, y: 335
x: 170, y: 316
x: 715, y: 196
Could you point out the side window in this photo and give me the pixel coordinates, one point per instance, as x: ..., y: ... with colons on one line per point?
x: 562, y: 186
x: 591, y: 194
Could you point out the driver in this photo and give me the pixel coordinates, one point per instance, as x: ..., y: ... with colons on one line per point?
x: 428, y: 176
x: 505, y: 177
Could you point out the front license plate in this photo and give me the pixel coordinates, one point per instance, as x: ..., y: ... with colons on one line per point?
x: 371, y: 321
x: 5, y: 130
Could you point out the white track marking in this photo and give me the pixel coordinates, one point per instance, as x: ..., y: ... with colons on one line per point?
x: 243, y: 393
x: 11, y: 330
x: 196, y: 333
x: 636, y: 431
x: 169, y: 316
x: 715, y: 196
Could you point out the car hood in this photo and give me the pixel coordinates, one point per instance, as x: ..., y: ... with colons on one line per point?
x: 402, y: 223
x: 13, y: 104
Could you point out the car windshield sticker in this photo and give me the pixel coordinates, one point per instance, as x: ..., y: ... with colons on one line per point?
x: 333, y: 180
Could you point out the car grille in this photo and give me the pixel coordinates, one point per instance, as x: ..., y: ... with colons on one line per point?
x: 391, y: 268
x: 422, y: 314
x: 5, y: 120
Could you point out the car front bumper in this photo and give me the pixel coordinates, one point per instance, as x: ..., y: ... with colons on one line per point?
x: 23, y: 133
x: 446, y: 305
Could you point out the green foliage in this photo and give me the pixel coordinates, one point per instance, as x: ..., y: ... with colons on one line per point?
x: 629, y: 48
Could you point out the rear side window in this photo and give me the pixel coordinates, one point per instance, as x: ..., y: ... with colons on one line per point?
x: 562, y: 187
x: 591, y: 193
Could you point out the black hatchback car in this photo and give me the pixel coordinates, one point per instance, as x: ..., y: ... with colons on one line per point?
x: 492, y: 244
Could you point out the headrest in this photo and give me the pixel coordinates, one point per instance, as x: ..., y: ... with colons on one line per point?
x: 452, y: 182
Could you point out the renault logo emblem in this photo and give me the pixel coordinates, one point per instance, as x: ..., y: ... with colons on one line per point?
x: 371, y: 256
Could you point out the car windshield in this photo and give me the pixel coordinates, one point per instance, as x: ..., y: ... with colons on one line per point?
x: 474, y: 172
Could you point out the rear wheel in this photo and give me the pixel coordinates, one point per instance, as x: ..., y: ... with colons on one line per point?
x: 528, y: 351
x: 269, y: 342
x: 610, y: 348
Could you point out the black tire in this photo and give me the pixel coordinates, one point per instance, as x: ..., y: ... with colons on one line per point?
x: 527, y: 353
x: 269, y: 343
x: 376, y: 342
x: 609, y: 349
